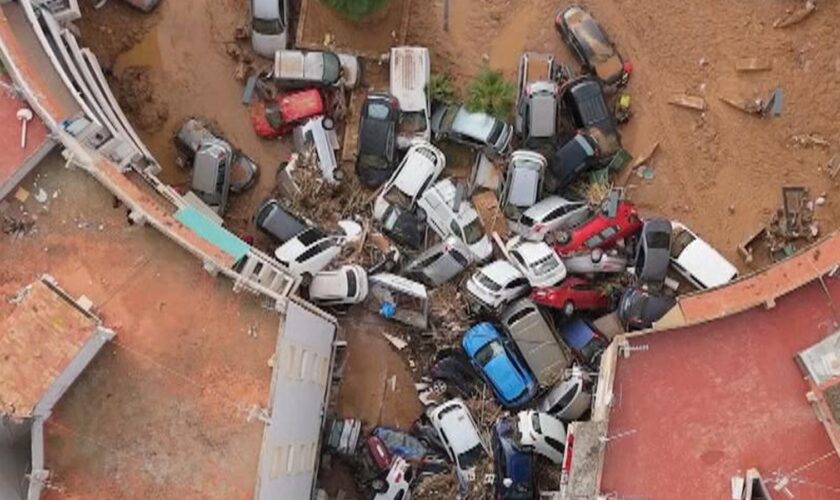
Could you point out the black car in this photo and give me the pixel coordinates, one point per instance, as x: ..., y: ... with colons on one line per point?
x: 404, y: 227
x: 587, y: 109
x: 273, y: 219
x: 514, y: 467
x: 573, y: 158
x: 639, y: 309
x: 653, y: 254
x: 377, y: 154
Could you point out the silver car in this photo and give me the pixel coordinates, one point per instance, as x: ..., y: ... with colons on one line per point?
x: 551, y: 214
x: 269, y: 26
x: 543, y: 353
x: 478, y: 130
x: 440, y: 263
x: 570, y: 399
x: 523, y: 183
x: 596, y: 262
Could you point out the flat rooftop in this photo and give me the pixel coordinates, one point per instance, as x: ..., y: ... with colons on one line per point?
x: 163, y: 410
x: 704, y: 403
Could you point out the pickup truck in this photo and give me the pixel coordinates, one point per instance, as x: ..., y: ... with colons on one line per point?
x: 217, y: 167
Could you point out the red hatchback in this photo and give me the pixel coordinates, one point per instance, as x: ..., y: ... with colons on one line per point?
x: 279, y: 116
x: 571, y: 295
x: 601, y: 231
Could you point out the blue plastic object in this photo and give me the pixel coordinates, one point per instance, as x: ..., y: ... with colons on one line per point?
x: 387, y: 310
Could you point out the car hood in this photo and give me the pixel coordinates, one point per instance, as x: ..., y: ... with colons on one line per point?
x: 505, y: 376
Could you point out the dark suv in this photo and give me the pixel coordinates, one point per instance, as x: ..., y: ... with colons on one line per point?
x: 377, y: 155
x: 586, y: 107
x: 274, y: 220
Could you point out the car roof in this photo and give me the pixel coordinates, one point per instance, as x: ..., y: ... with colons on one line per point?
x: 706, y: 264
x: 478, y: 336
x: 265, y: 9
x: 545, y: 206
x: 330, y: 284
x: 475, y: 125
x: 543, y: 114
x: 410, y: 70
x: 516, y: 464
x: 577, y: 333
x: 505, y: 373
x: 524, y: 182
x: 501, y: 271
x: 295, y: 246
x: 415, y: 168
x: 533, y: 251
x: 456, y: 421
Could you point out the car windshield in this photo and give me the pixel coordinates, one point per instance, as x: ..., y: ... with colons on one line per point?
x: 351, y: 284
x: 470, y: 457
x: 526, y: 221
x: 545, y: 265
x: 682, y: 239
x: 332, y: 67
x: 488, y: 283
x: 268, y: 26
x: 473, y: 231
x: 397, y: 197
x: 378, y: 111
x: 658, y: 240
x: 374, y: 161
x: 488, y: 352
x: 595, y: 45
x: 496, y: 132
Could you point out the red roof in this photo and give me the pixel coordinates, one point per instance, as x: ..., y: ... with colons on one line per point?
x: 706, y: 402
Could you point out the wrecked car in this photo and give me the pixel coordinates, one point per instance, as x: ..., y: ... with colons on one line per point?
x: 584, y: 340
x: 346, y: 285
x: 410, y: 75
x: 269, y: 26
x: 419, y: 168
x: 523, y: 183
x: 542, y: 433
x: 514, y: 467
x: 653, y: 252
x: 697, y: 261
x: 573, y: 294
x: 498, y: 362
x: 400, y: 299
x: 496, y: 284
x: 612, y: 222
x: 459, y: 433
x: 307, y: 68
x: 573, y: 158
x: 453, y: 374
x: 440, y: 263
x: 277, y: 221
x: 217, y: 167
x: 570, y: 399
x: 551, y: 214
x: 445, y: 219
x: 591, y: 45
x: 318, y: 133
x: 534, y: 337
x: 377, y: 154
x: 586, y: 107
x: 309, y: 252
x: 404, y: 227
x: 477, y: 130
x: 538, y: 103
x: 595, y: 262
x: 279, y: 116
x: 401, y: 444
x: 540, y: 265
x: 396, y: 485
x: 639, y: 309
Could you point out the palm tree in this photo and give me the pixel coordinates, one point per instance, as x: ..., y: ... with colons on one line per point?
x: 355, y: 9
x: 491, y: 93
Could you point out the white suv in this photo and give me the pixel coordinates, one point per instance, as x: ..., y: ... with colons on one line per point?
x: 543, y: 434
x: 537, y: 261
x: 346, y: 285
x: 459, y: 434
x: 422, y: 164
x: 309, y: 252
x: 464, y: 223
x: 496, y: 284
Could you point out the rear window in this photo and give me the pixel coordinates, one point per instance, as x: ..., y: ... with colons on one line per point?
x: 471, y: 457
x: 488, y: 352
x: 659, y: 240
x: 378, y: 111
x: 351, y: 284
x: 514, y: 318
x: 473, y: 232
x: 546, y: 264
x: 310, y: 236
x: 527, y: 221
x: 488, y: 283
x: 682, y: 239
x: 267, y: 26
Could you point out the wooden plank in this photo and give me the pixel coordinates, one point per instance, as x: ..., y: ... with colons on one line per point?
x: 688, y: 101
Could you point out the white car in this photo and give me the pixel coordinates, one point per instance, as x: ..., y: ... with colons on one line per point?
x: 462, y: 223
x: 319, y: 133
x: 410, y: 75
x: 309, y: 252
x: 537, y: 261
x: 541, y: 433
x: 422, y: 164
x: 570, y: 399
x: 308, y: 68
x: 269, y: 26
x: 697, y: 261
x: 346, y: 285
x: 397, y: 484
x: 459, y: 434
x: 551, y: 214
x: 496, y: 284
x: 523, y: 183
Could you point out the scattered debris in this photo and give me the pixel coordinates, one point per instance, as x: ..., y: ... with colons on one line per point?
x: 810, y: 140
x: 688, y: 101
x: 41, y: 196
x: 751, y: 106
x: 395, y: 341
x: 490, y: 214
x: 752, y: 64
x: 797, y: 16
x: 646, y: 172
x: 791, y: 224
x: 773, y: 106
x: 834, y: 165
x: 622, y: 111
x: 645, y: 157
x: 18, y: 227
x: 21, y: 195
x: 24, y: 115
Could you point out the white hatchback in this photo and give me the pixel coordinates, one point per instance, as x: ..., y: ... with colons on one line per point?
x: 309, y: 252
x: 463, y: 223
x: 697, y: 261
x: 421, y: 165
x: 543, y: 434
x: 537, y: 261
x: 346, y: 285
x: 496, y: 284
x: 459, y: 434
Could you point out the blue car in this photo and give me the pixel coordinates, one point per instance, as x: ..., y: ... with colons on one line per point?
x: 514, y: 467
x: 584, y: 340
x: 497, y: 360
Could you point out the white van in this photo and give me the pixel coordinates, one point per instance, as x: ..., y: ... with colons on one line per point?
x: 410, y: 75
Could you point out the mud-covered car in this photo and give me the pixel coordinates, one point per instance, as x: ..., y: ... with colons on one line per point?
x: 639, y: 309
x: 315, y: 68
x: 591, y: 44
x: 279, y: 116
x: 585, y: 105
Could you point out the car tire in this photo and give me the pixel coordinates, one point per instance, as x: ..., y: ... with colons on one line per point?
x: 328, y: 123
x: 379, y: 485
x: 439, y: 386
x: 569, y: 308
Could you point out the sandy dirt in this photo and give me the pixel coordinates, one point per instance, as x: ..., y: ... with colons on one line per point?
x: 706, y: 162
x: 162, y: 411
x: 371, y: 36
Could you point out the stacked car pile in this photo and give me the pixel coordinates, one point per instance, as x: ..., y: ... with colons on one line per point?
x: 536, y: 299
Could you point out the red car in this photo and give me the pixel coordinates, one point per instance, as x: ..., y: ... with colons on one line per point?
x: 379, y: 453
x: 572, y: 294
x: 279, y: 116
x: 601, y: 231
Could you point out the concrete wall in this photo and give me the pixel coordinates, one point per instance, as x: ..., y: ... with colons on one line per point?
x: 14, y: 458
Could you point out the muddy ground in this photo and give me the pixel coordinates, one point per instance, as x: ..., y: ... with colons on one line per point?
x: 720, y: 171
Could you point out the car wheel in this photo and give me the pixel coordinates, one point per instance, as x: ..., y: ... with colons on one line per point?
x: 439, y: 387
x: 568, y: 308
x: 597, y: 255
x: 379, y: 485
x: 328, y: 123
x: 563, y: 237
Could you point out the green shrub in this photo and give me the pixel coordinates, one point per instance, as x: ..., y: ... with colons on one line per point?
x: 355, y: 9
x: 491, y: 93
x: 441, y: 88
